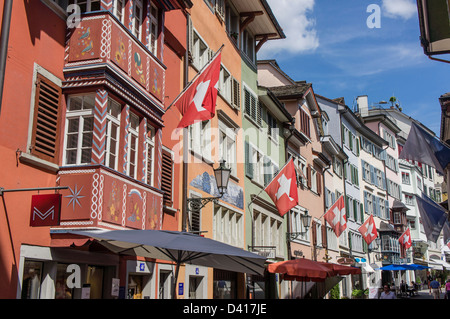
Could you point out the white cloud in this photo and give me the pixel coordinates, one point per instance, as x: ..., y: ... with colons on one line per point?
x: 301, y: 35
x: 371, y: 60
x: 405, y: 9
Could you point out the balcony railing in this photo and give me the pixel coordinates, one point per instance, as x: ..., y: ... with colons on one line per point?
x: 99, y: 40
x: 100, y: 197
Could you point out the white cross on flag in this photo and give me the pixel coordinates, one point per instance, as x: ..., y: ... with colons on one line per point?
x: 197, y: 102
x: 336, y: 217
x: 368, y: 230
x: 405, y: 239
x: 283, y: 189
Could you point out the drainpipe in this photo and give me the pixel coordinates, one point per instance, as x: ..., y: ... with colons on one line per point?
x: 4, y: 39
x: 185, y: 134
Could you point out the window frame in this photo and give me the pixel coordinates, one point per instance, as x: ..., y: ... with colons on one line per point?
x: 81, y: 115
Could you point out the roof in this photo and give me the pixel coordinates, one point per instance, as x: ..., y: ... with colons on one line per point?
x: 296, y: 90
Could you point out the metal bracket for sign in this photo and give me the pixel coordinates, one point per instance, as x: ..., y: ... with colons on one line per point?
x: 2, y: 190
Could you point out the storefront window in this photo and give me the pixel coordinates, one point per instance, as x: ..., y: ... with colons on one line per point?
x: 62, y: 290
x: 31, y: 280
x: 95, y: 282
x: 224, y: 284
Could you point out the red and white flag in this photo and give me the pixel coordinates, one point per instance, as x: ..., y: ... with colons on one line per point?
x: 368, y: 230
x: 198, y: 101
x: 283, y: 189
x: 405, y: 239
x: 336, y: 217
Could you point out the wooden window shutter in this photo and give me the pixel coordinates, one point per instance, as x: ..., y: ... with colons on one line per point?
x: 324, y: 236
x: 248, y: 160
x: 314, y: 233
x: 166, y: 178
x: 235, y: 94
x: 319, y: 183
x: 309, y: 176
x: 46, y: 122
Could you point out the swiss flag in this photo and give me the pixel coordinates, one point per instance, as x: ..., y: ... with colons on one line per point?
x: 336, y: 217
x: 368, y: 230
x: 405, y: 239
x: 283, y: 189
x: 198, y: 101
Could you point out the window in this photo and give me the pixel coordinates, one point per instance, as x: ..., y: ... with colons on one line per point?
x: 112, y: 133
x: 200, y: 139
x: 228, y: 226
x: 409, y: 199
x: 389, y: 138
x: 32, y: 276
x: 406, y: 178
x: 325, y: 125
x: 314, y: 180
x: 225, y: 84
x: 297, y: 224
x: 248, y: 45
x: 391, y: 163
x: 419, y: 182
x: 137, y: 19
x: 46, y: 122
x: 394, y: 189
x: 252, y: 106
x: 200, y: 51
x: 119, y: 9
x: 227, y: 147
x: 133, y: 142
x: 79, y: 130
x: 337, y: 166
x: 150, y: 145
x: 232, y: 22
x: 87, y: 5
x: 258, y: 166
x: 368, y: 206
x: 272, y: 128
x: 153, y: 24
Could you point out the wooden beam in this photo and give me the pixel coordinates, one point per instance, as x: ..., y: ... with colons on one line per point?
x: 261, y: 42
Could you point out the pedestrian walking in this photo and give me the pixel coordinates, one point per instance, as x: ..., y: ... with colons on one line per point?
x: 435, y: 288
x: 447, y: 289
x: 387, y: 293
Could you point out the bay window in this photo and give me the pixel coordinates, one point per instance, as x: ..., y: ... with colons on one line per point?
x: 112, y: 134
x: 153, y: 32
x: 79, y: 130
x: 150, y: 145
x: 137, y: 19
x: 87, y: 5
x: 133, y: 142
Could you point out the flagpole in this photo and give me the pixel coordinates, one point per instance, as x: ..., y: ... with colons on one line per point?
x: 195, y: 77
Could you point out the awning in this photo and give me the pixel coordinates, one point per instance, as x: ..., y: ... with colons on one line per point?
x: 179, y: 247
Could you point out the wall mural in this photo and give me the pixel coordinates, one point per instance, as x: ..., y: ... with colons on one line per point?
x: 207, y: 183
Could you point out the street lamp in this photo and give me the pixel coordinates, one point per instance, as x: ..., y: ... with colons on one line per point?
x: 222, y: 176
x: 306, y: 220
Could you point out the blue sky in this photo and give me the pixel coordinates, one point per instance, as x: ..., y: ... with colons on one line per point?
x: 330, y: 45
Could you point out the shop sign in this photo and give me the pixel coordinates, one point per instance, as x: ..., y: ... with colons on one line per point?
x: 45, y: 210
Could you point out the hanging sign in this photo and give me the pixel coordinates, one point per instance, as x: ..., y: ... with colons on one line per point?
x: 45, y: 210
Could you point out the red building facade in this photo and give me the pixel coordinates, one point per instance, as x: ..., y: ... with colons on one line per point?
x: 82, y: 116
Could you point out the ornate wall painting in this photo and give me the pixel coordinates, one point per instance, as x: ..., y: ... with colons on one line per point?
x: 207, y: 183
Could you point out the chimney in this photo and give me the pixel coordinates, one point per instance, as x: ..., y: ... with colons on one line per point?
x: 363, y: 105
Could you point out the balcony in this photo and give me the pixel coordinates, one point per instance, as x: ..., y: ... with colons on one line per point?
x: 100, y: 42
x: 101, y: 197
